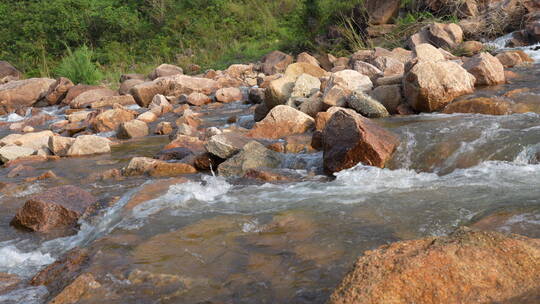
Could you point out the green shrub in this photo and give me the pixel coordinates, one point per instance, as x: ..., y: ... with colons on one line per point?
x: 79, y: 67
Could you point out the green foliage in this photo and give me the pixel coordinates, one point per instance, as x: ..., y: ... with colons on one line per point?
x: 79, y: 67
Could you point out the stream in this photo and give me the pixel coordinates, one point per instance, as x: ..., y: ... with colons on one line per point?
x: 217, y: 240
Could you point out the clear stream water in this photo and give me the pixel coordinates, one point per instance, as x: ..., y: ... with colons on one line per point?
x: 213, y: 240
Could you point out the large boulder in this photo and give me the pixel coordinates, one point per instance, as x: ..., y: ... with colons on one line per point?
x: 172, y: 86
x: 132, y: 129
x: 305, y: 86
x: 446, y: 36
x: 58, y: 90
x: 34, y: 140
x: 465, y: 267
x: 349, y: 139
x: 111, y: 119
x: 55, y: 208
x: 24, y: 93
x: 77, y: 90
x: 253, y: 155
x: 9, y: 153
x: 8, y: 72
x: 429, y: 86
x: 427, y: 52
x: 86, y: 98
x: 282, y: 121
x: 382, y: 11
x: 275, y: 62
x: 165, y: 70
x: 89, y: 145
x: 481, y: 105
x: 487, y: 69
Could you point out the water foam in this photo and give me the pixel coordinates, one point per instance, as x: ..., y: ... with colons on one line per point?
x: 30, y: 295
x: 12, y: 260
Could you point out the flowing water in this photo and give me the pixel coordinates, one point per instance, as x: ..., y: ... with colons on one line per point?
x: 213, y: 240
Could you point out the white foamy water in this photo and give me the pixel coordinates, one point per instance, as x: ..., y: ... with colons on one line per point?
x: 30, y: 295
x: 14, y: 261
x: 501, y: 42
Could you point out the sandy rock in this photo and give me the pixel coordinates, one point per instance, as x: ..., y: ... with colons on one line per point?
x: 367, y: 69
x: 335, y: 96
x: 350, y: 139
x: 487, y: 69
x: 111, y: 119
x: 511, y: 59
x: 279, y: 91
x: 35, y: 141
x: 305, y: 86
x: 160, y: 105
x: 132, y: 129
x: 77, y: 90
x: 165, y: 70
x: 226, y: 145
x: 58, y: 90
x: 296, y: 69
x: 481, y: 105
x: 472, y: 47
x: 275, y: 62
x: 126, y: 86
x: 7, y: 71
x: 307, y: 58
x: 227, y: 95
x: 189, y: 118
x: 366, y: 105
x: 163, y: 128
x: 198, y: 99
x: 72, y: 294
x: 88, y: 145
x: 57, y: 207
x: 427, y: 52
x: 239, y: 71
x: 110, y: 101
x: 253, y: 155
x: 389, y: 96
x: 139, y: 166
x: 165, y: 169
x: 430, y: 86
x: 382, y: 12
x: 24, y: 93
x: 389, y: 66
x: 9, y: 153
x: 147, y: 117
x: 352, y: 80
x: 86, y: 98
x: 465, y: 267
x: 282, y: 121
x: 446, y: 36
x: 78, y: 116
x: 60, y: 145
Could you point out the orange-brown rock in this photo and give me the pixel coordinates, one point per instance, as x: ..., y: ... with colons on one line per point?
x: 152, y: 191
x: 465, y: 267
x: 198, y: 99
x: 481, y: 105
x: 229, y: 95
x: 58, y: 90
x: 111, y: 119
x: 350, y: 138
x: 24, y: 93
x: 74, y: 292
x: 282, y: 121
x: 165, y: 169
x: 275, y: 62
x: 8, y: 281
x: 55, y: 208
x: 487, y: 69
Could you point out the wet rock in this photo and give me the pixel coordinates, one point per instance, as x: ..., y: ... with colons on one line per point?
x: 139, y: 166
x: 389, y: 96
x: 268, y: 175
x: 151, y: 191
x: 132, y: 129
x: 366, y: 105
x: 487, y: 69
x: 89, y: 145
x: 164, y: 128
x: 60, y: 145
x: 207, y: 161
x: 465, y: 267
x: 350, y: 139
x: 481, y: 105
x: 226, y: 145
x: 282, y: 121
x: 296, y: 69
x: 165, y: 70
x: 253, y: 155
x: 511, y: 59
x: 126, y: 86
x: 227, y: 95
x: 190, y: 142
x: 430, y: 86
x: 8, y: 281
x: 172, y: 86
x: 307, y: 58
x: 275, y: 62
x: 111, y: 101
x: 8, y: 72
x: 46, y: 175
x: 352, y: 80
x: 173, y: 154
x: 58, y: 90
x: 74, y: 292
x: 111, y: 119
x: 24, y: 93
x: 85, y: 99
x: 55, y: 208
x: 160, y: 105
x: 367, y: 69
x: 446, y: 36
x: 198, y: 99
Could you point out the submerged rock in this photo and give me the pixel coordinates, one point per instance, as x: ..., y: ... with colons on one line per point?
x: 55, y: 208
x: 465, y: 267
x: 349, y: 139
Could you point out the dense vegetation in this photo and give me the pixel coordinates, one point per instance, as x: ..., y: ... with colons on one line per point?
x: 132, y: 35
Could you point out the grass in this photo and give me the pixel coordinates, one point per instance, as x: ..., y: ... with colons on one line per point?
x: 79, y: 67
